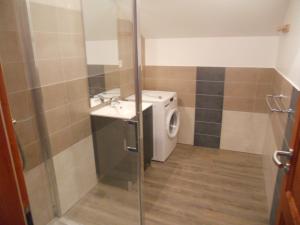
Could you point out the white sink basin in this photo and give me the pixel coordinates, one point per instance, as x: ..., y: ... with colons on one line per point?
x: 120, y: 110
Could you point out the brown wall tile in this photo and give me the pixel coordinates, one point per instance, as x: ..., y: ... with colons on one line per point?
x: 57, y: 118
x: 244, y: 75
x: 27, y: 131
x: 186, y: 100
x: 238, y: 104
x: 15, y: 77
x: 7, y: 16
x: 81, y: 129
x: 78, y: 89
x: 61, y: 140
x: 50, y: 71
x: 54, y: 96
x: 241, y: 90
x: 33, y: 154
x: 71, y: 45
x: 21, y: 104
x: 74, y: 68
x: 10, y: 48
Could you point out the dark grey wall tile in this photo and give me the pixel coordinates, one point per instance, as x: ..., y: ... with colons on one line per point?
x: 95, y: 70
x: 210, y: 88
x: 208, y: 128
x: 209, y: 102
x: 211, y: 73
x: 208, y: 115
x: 207, y: 141
x: 96, y: 84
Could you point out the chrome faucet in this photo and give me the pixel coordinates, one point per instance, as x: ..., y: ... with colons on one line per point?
x: 114, y: 101
x: 99, y: 96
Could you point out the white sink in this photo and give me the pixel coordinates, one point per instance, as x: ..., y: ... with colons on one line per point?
x: 120, y: 110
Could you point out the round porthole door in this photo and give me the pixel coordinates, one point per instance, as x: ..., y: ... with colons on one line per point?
x: 173, y: 123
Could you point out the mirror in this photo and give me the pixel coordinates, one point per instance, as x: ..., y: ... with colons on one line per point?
x: 100, y: 20
x: 109, y: 51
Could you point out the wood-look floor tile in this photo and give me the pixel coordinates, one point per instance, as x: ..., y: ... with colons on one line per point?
x: 196, y: 186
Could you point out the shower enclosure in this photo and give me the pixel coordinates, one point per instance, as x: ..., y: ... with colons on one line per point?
x: 59, y: 59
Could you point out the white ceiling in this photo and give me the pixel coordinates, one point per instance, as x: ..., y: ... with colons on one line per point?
x: 203, y: 18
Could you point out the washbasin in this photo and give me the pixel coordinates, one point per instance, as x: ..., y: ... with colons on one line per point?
x: 120, y: 110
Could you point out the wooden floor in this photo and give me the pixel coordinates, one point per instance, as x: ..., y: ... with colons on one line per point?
x: 195, y: 186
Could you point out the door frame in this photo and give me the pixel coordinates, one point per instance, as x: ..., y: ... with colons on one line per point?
x: 287, y: 203
x: 13, y: 194
x: 137, y: 45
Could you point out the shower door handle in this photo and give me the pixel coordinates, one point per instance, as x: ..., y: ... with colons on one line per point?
x: 131, y: 148
x: 285, y: 154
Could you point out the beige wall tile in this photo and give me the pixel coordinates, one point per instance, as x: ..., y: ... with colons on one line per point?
x: 46, y: 45
x: 243, y: 131
x: 76, y: 173
x: 270, y: 170
x: 70, y: 21
x: 187, y: 123
x: 43, y: 17
x: 39, y: 195
x: 278, y: 127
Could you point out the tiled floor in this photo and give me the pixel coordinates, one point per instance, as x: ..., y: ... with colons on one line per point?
x: 196, y: 186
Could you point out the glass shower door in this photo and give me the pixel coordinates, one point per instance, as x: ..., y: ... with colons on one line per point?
x: 80, y: 167
x: 112, y: 53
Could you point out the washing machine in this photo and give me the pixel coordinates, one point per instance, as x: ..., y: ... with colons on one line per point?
x: 166, y: 121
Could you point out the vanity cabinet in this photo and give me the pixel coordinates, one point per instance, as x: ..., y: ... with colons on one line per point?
x: 111, y: 136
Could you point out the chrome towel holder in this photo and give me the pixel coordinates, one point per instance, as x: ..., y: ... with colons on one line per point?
x: 277, y: 99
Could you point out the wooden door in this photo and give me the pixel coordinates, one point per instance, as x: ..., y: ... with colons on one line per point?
x: 289, y: 209
x: 13, y: 194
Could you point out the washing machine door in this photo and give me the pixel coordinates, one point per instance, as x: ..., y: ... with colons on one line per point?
x: 173, y: 122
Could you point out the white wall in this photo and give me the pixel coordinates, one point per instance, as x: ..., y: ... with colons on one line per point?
x: 288, y: 62
x: 259, y: 51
